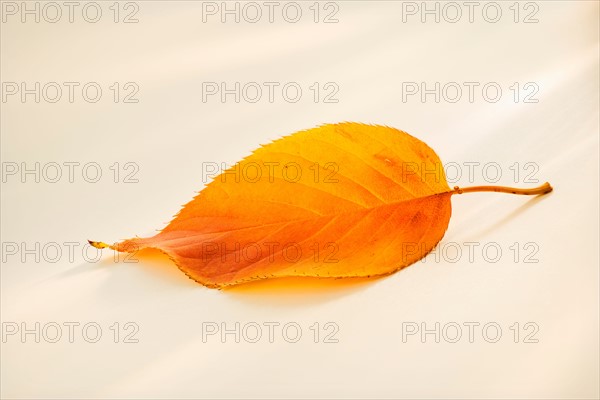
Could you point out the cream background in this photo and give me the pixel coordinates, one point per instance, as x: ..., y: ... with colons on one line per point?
x: 171, y: 132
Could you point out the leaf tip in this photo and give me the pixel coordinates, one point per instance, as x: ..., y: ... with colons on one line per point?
x: 98, y: 245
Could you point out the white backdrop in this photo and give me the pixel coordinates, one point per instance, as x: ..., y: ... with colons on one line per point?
x: 126, y: 93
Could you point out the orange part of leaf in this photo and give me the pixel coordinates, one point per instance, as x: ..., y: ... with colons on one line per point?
x: 342, y: 200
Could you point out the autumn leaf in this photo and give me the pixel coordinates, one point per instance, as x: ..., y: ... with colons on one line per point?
x: 339, y: 201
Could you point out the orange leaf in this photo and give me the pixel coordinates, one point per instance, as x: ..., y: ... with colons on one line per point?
x: 343, y: 200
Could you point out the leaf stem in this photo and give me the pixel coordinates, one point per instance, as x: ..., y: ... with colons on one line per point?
x: 543, y: 189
